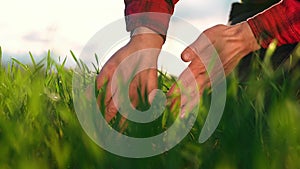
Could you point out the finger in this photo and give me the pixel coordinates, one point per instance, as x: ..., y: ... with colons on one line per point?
x: 202, y: 61
x: 191, y: 98
x: 110, y: 111
x: 106, y: 103
x: 134, y: 92
x: 109, y: 93
x: 192, y: 83
x: 195, y: 49
x: 173, y: 96
x: 182, y: 82
x: 143, y: 87
x: 188, y: 54
x: 203, y: 81
x: 101, y: 98
x: 178, y: 91
x: 102, y: 78
x: 151, y: 96
x: 152, y: 84
x: 122, y: 124
x: 187, y: 108
x: 101, y: 84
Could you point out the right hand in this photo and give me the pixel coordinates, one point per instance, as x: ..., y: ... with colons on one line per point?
x: 229, y: 43
x: 146, y: 80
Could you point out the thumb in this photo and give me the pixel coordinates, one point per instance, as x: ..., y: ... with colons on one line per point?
x: 188, y: 54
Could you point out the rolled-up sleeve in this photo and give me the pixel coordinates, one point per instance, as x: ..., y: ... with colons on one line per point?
x: 281, y: 21
x: 154, y: 14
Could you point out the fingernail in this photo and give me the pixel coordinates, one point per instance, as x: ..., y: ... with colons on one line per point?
x: 185, y: 56
x: 151, y: 98
x: 152, y: 95
x: 182, y: 115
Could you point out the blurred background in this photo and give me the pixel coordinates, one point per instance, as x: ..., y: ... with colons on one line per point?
x: 60, y: 26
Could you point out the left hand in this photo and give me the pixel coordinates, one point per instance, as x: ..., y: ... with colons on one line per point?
x: 231, y: 43
x: 144, y: 49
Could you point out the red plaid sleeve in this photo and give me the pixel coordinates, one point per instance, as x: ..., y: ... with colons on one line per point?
x: 148, y: 13
x: 281, y: 21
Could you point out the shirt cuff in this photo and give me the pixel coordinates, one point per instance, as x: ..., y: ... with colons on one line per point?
x: 278, y: 22
x: 153, y: 15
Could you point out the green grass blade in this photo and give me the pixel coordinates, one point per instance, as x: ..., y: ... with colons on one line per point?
x: 75, y: 59
x: 41, y: 62
x: 270, y: 51
x: 49, y: 62
x: 97, y: 60
x: 97, y: 69
x: 25, y: 67
x: 84, y: 66
x: 64, y: 62
x: 38, y: 68
x: 32, y: 59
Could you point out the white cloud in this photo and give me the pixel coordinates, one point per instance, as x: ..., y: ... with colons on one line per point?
x: 64, y: 24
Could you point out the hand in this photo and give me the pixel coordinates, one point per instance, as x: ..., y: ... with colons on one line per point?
x: 145, y: 81
x: 230, y: 43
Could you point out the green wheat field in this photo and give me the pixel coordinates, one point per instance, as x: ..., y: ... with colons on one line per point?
x: 260, y: 127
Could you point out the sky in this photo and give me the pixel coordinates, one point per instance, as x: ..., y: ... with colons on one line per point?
x: 63, y: 25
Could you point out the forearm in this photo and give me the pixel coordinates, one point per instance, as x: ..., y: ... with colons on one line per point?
x: 281, y: 22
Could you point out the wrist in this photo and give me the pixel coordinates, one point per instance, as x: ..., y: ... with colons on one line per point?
x: 246, y: 34
x: 143, y: 36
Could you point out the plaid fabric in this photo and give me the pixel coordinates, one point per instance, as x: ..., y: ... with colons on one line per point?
x: 281, y: 21
x: 138, y: 13
x: 241, y: 12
